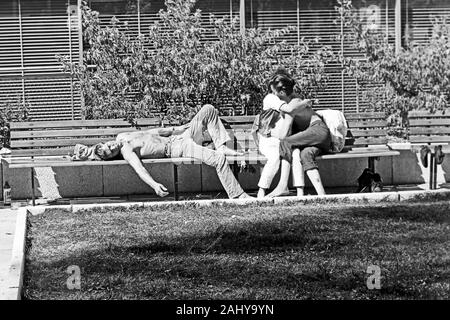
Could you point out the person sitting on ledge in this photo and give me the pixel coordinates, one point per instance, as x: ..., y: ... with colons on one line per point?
x: 173, y: 142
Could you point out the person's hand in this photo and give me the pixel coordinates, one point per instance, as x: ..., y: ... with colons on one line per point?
x: 285, y: 150
x: 181, y: 129
x: 160, y: 190
x: 186, y: 126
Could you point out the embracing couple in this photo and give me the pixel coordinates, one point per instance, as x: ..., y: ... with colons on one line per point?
x: 286, y: 123
x: 290, y: 134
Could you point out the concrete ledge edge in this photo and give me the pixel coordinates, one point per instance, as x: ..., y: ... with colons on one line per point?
x: 398, y: 196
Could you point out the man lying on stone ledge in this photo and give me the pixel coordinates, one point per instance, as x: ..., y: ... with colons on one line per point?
x: 173, y: 142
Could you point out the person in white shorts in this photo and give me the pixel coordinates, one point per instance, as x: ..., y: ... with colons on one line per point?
x: 272, y: 125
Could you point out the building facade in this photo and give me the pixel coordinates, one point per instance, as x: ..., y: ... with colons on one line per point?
x: 33, y: 33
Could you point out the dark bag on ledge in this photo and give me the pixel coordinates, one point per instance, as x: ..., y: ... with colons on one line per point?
x: 369, y: 181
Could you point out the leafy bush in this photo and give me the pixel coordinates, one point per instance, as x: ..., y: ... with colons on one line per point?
x: 11, y: 112
x: 178, y: 65
x: 417, y: 77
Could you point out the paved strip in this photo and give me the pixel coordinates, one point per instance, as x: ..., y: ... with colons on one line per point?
x: 17, y: 264
x: 8, y: 220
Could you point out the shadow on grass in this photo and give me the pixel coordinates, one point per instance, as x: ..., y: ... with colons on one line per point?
x: 414, y: 212
x: 281, y: 256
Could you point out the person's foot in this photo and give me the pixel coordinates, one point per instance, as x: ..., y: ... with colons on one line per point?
x: 228, y: 152
x: 261, y: 193
x: 245, y: 196
x: 300, y: 192
x: 278, y: 192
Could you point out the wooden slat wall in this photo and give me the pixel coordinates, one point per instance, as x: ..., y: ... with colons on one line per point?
x: 32, y: 33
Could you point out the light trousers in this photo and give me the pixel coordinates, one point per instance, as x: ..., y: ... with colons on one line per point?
x: 189, y: 144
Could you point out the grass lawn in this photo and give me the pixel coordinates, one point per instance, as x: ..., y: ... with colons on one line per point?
x: 269, y: 252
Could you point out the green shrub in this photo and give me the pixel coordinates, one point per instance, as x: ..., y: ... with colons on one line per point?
x: 11, y: 112
x: 177, y: 66
x: 417, y: 77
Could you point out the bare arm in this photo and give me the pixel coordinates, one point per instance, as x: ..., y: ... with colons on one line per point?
x: 172, y: 131
x: 131, y: 157
x: 296, y: 105
x: 271, y: 101
x: 256, y: 138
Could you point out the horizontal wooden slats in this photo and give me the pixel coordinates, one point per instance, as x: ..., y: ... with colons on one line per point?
x: 429, y: 139
x: 68, y: 133
x: 429, y: 122
x: 31, y: 145
x: 367, y: 133
x: 428, y: 128
x: 369, y: 141
x: 246, y: 145
x: 360, y: 154
x: 239, y: 119
x: 49, y: 135
x: 47, y: 138
x: 58, y: 142
x: 42, y: 152
x: 64, y: 162
x: 242, y: 126
x: 242, y: 135
x: 427, y: 114
x: 82, y: 124
x: 366, y: 124
x: 365, y: 116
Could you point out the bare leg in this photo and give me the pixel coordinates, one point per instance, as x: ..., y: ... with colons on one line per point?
x: 216, y: 160
x: 300, y: 191
x: 227, y: 151
x: 314, y: 176
x: 261, y: 193
x: 298, y: 175
x: 283, y: 128
x: 282, y: 187
x: 268, y: 172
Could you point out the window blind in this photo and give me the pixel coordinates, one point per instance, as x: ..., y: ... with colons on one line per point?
x: 32, y: 34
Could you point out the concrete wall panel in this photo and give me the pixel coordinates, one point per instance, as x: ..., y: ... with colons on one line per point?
x: 122, y: 180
